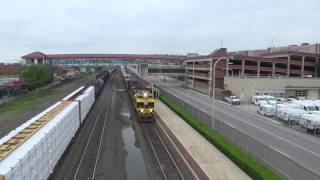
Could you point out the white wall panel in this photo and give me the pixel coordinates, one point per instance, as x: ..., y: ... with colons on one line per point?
x: 73, y: 93
x: 38, y: 155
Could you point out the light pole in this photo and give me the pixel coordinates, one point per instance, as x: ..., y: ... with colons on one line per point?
x: 230, y: 70
x: 160, y: 68
x: 213, y: 87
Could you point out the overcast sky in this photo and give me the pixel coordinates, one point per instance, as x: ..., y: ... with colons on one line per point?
x: 153, y: 26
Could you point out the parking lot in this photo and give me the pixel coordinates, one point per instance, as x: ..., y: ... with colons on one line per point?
x: 253, y: 109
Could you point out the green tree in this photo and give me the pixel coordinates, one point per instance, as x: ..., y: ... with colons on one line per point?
x: 36, y: 76
x: 98, y: 68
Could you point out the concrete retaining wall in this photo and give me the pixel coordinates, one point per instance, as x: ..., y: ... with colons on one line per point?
x: 247, y: 87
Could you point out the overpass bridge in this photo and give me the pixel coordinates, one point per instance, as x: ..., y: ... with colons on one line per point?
x: 154, y: 70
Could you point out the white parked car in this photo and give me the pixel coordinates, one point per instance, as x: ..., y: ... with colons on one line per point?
x: 316, y: 103
x: 257, y: 100
x: 266, y: 110
x: 310, y: 121
x: 281, y: 100
x: 232, y: 100
x: 295, y: 115
x: 305, y: 105
x: 282, y: 113
x: 288, y: 105
x: 271, y: 100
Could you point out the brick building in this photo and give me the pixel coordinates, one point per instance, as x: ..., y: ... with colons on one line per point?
x: 9, y: 69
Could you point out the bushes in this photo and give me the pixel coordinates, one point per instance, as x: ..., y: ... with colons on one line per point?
x: 245, y: 161
x: 36, y: 76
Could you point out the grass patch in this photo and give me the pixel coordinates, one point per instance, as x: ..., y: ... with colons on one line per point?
x: 254, y: 168
x: 19, y: 103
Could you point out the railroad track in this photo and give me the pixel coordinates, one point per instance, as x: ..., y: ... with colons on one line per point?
x: 86, y: 168
x: 167, y: 164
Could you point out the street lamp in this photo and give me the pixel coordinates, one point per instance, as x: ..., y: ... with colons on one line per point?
x: 213, y: 87
x: 230, y: 70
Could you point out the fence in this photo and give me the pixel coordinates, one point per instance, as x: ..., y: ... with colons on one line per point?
x: 271, y: 157
x: 8, y: 94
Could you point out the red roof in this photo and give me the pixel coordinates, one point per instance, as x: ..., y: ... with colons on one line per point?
x: 221, y: 52
x: 38, y: 55
x: 9, y: 68
x: 129, y: 56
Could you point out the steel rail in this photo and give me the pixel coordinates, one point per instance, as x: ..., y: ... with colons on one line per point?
x: 89, y: 140
x: 161, y: 162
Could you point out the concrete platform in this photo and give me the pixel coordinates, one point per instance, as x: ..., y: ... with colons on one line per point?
x: 213, y: 163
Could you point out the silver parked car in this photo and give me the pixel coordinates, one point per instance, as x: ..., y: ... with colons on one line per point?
x: 232, y: 100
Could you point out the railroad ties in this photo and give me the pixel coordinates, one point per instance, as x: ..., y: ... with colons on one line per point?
x: 167, y: 164
x: 11, y: 144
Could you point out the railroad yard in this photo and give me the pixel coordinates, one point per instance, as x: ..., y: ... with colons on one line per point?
x: 100, y: 128
x: 107, y: 133
x: 149, y: 90
x: 111, y: 144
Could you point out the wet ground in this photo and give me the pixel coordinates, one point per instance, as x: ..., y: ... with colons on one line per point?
x: 135, y: 165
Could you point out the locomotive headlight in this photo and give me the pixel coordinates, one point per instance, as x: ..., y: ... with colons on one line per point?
x: 145, y: 94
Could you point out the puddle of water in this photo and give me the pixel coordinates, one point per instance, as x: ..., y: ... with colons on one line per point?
x: 135, y: 166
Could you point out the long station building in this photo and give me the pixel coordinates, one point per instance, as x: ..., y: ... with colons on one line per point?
x: 100, y: 59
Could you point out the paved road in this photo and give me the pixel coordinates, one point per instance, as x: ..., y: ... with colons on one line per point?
x: 303, y: 148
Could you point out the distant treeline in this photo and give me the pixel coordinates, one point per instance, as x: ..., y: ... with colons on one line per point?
x: 36, y: 76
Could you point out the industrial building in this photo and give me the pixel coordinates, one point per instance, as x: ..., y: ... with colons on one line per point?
x: 293, y: 87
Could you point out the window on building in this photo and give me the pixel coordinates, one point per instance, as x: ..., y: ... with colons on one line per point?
x: 300, y: 93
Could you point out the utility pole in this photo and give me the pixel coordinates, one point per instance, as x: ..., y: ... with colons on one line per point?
x: 213, y: 87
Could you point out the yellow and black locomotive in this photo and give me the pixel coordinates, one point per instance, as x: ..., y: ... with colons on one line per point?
x: 143, y: 100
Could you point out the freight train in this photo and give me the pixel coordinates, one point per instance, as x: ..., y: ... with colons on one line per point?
x: 142, y: 99
x: 32, y: 150
x: 100, y: 80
